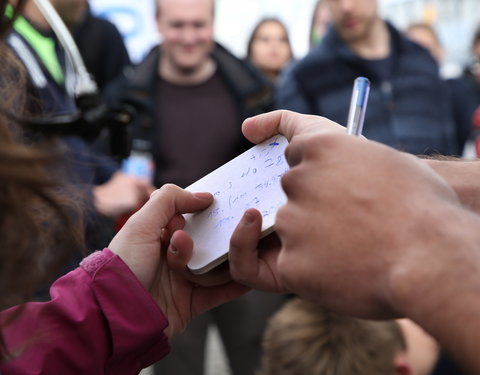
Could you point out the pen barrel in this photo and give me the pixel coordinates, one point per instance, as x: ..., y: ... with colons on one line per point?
x: 358, y: 105
x: 356, y: 126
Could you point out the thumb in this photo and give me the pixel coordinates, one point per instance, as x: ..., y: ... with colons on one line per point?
x: 178, y: 256
x: 290, y: 124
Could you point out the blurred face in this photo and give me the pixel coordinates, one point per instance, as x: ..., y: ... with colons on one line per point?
x: 353, y: 19
x: 187, y: 30
x: 270, y: 47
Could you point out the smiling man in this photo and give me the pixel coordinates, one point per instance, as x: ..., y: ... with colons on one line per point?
x: 408, y: 108
x: 191, y: 96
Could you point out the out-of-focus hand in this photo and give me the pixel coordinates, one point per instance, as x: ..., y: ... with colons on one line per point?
x: 142, y: 243
x: 121, y: 194
x: 358, y: 215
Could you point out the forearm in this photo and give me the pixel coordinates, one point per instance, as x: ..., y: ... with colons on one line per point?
x: 440, y: 290
x: 463, y: 176
x: 100, y: 321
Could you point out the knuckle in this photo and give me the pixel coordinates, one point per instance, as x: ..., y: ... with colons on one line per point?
x: 237, y: 274
x: 166, y: 189
x: 289, y: 182
x: 169, y: 188
x: 281, y: 219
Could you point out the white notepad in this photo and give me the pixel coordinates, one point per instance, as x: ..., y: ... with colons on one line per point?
x: 252, y: 179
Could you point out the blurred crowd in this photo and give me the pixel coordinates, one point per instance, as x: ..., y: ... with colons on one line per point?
x: 177, y: 116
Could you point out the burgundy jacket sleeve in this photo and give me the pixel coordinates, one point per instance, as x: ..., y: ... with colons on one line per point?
x: 100, y: 320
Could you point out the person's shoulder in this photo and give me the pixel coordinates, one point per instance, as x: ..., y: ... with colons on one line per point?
x: 224, y: 56
x: 100, y: 23
x: 137, y: 81
x: 406, y: 46
x: 144, y: 71
x: 241, y: 72
x: 321, y: 58
x: 319, y: 67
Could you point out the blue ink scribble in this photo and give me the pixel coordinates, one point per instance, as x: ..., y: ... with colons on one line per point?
x: 224, y: 221
x: 254, y: 202
x: 268, y: 161
x: 274, y: 143
x: 245, y: 174
x: 215, y: 212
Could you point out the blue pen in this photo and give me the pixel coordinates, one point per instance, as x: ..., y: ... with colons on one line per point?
x: 358, y: 105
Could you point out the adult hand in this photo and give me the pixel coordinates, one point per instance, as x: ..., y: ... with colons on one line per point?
x: 139, y: 243
x: 373, y: 232
x: 463, y: 177
x: 359, y: 214
x: 121, y: 194
x: 253, y: 262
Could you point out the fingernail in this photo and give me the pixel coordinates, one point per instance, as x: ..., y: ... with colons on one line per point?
x: 202, y: 195
x: 247, y: 218
x: 172, y: 249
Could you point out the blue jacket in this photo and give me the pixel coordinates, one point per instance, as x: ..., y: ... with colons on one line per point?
x: 410, y: 111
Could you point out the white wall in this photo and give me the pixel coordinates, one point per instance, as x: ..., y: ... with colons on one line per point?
x: 135, y: 20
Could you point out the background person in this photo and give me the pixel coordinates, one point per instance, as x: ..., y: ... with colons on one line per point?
x: 425, y: 35
x: 269, y: 48
x: 98, y: 40
x: 321, y: 21
x: 466, y: 93
x: 409, y: 106
x: 304, y: 338
x: 191, y: 96
x: 49, y: 92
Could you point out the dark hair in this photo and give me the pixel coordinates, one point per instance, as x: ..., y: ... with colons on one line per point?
x: 253, y: 35
x: 40, y: 221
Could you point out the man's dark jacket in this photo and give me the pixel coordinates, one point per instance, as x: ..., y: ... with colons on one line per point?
x: 138, y: 88
x: 102, y: 48
x: 410, y: 111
